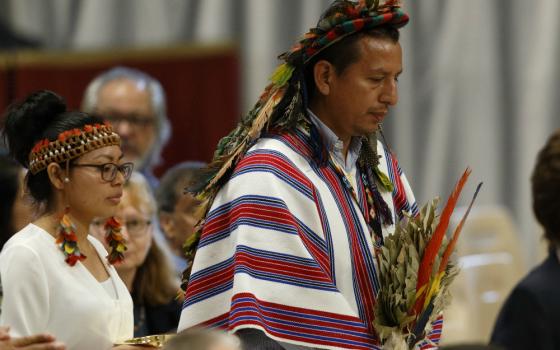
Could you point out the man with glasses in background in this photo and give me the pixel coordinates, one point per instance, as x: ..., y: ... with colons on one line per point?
x: 134, y: 103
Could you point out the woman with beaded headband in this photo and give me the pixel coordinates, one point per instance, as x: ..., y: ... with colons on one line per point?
x: 55, y: 277
x: 299, y: 197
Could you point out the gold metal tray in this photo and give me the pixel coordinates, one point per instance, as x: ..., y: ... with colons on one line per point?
x: 154, y: 341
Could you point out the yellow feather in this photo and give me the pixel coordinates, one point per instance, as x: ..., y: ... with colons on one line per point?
x: 420, y: 291
x: 434, y: 289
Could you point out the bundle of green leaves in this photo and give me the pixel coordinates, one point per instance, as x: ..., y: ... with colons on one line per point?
x: 415, y: 272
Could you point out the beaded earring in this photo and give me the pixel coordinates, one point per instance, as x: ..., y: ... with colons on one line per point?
x: 115, y: 240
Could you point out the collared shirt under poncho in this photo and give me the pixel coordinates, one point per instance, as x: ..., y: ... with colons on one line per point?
x: 285, y: 249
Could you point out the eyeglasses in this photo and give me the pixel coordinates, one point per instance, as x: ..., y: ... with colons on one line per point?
x: 109, y: 170
x: 134, y: 227
x: 133, y: 120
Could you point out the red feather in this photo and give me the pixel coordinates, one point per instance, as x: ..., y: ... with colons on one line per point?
x: 457, y: 232
x: 430, y: 253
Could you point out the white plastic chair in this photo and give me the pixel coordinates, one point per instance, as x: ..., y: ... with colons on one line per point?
x: 488, y: 253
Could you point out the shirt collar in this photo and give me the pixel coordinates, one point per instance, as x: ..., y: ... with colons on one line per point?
x: 333, y: 143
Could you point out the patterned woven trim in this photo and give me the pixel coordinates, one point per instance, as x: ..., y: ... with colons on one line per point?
x: 71, y: 144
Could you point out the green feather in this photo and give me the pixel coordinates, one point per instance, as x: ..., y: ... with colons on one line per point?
x: 190, y: 245
x: 282, y: 74
x: 384, y: 180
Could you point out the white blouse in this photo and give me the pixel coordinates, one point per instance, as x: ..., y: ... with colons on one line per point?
x: 42, y: 293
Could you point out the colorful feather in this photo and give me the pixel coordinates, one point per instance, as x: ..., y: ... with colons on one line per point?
x: 252, y: 134
x: 405, y: 305
x: 433, y: 247
x: 436, y: 284
x: 451, y: 245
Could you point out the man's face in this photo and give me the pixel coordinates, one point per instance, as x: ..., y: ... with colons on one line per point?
x: 358, y: 98
x: 180, y: 224
x: 127, y: 106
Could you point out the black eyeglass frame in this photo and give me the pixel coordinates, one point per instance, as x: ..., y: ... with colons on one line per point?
x: 123, y: 168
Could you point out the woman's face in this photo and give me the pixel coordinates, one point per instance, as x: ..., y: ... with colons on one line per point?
x: 180, y: 224
x: 137, y: 230
x: 88, y: 194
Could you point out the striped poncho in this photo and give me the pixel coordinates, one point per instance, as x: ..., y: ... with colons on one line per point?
x: 285, y: 249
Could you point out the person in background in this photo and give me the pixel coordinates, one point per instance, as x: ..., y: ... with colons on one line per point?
x: 530, y: 317
x: 134, y: 103
x: 55, y: 277
x: 176, y: 208
x: 146, y: 269
x: 16, y: 209
x: 203, y: 339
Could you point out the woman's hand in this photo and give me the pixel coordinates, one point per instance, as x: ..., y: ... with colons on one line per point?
x: 33, y: 342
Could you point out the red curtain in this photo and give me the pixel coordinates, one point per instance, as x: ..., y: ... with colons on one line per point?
x: 201, y: 83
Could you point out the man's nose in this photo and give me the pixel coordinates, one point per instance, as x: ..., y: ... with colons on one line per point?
x: 124, y: 231
x: 123, y: 128
x: 389, y: 95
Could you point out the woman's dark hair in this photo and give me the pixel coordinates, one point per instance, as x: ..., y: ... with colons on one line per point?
x: 41, y: 115
x: 9, y: 187
x: 546, y: 189
x: 345, y: 52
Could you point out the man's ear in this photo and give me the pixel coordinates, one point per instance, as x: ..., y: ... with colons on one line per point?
x: 323, y: 72
x: 57, y: 176
x: 167, y: 225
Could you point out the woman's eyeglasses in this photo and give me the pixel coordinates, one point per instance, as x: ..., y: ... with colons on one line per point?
x: 109, y: 170
x: 134, y: 227
x: 137, y: 227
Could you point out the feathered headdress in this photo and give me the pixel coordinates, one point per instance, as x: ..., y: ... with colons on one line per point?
x: 282, y: 105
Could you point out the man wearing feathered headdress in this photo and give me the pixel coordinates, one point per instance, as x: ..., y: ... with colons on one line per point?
x: 300, y: 195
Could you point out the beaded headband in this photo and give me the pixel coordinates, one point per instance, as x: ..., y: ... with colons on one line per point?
x: 71, y: 144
